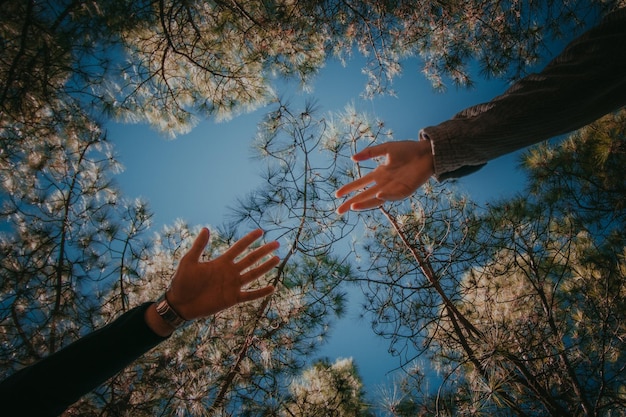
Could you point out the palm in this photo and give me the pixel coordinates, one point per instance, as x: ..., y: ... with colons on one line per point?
x: 200, y: 289
x: 408, y: 165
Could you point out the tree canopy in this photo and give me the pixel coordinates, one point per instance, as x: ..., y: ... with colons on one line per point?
x: 517, y: 306
x: 170, y: 62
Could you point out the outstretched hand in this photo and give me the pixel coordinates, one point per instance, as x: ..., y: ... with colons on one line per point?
x: 200, y: 289
x: 408, y: 165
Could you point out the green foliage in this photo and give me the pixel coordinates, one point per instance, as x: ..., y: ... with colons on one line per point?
x: 585, y: 166
x: 168, y: 63
x: 520, y: 306
x: 66, y: 232
x: 333, y: 390
x: 241, y: 361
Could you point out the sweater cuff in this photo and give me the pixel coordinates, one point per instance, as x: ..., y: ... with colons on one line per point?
x: 450, y: 158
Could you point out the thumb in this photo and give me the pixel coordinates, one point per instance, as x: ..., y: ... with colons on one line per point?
x: 198, y: 245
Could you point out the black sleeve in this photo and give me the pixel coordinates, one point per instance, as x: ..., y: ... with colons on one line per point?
x: 586, y: 81
x: 48, y: 387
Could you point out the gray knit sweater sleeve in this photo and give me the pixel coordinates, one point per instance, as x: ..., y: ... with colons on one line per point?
x: 586, y: 81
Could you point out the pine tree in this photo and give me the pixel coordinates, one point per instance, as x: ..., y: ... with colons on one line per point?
x: 169, y: 63
x: 66, y: 234
x: 518, y: 306
x: 325, y: 389
x: 242, y: 361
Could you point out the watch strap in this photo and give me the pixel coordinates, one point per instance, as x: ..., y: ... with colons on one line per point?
x: 168, y: 314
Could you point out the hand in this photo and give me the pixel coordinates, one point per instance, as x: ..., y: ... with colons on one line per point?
x: 408, y: 165
x: 200, y: 289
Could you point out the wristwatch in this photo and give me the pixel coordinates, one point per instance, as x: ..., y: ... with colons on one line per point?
x: 168, y: 314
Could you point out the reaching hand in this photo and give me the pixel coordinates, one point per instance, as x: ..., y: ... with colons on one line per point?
x: 200, y: 289
x: 408, y: 165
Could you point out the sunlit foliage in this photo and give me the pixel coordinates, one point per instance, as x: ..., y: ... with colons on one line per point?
x: 242, y: 361
x: 66, y: 233
x: 325, y: 389
x: 169, y: 63
x: 518, y: 306
x: 528, y: 318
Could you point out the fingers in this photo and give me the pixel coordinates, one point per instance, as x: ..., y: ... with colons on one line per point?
x: 260, y: 270
x: 199, y: 244
x: 397, y: 193
x: 367, y: 153
x: 257, y: 254
x: 359, y: 205
x: 255, y: 273
x: 242, y: 244
x: 371, y: 152
x: 253, y: 257
x: 356, y: 184
x: 245, y: 296
x: 367, y: 204
x: 366, y: 199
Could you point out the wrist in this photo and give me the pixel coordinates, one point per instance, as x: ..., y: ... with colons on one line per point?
x: 162, y: 318
x: 168, y: 313
x: 427, y: 151
x: 156, y: 323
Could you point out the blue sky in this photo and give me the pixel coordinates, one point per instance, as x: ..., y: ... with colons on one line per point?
x: 196, y: 177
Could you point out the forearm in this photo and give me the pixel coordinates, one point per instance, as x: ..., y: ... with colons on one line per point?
x: 198, y: 289
x: 50, y: 386
x: 585, y: 82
